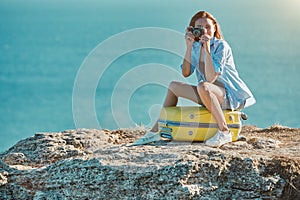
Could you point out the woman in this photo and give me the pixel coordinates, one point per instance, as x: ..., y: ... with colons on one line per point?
x: 219, y: 85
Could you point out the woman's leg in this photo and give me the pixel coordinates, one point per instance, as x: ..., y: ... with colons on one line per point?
x: 212, y: 97
x: 178, y: 89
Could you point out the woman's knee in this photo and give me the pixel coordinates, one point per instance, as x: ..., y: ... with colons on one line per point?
x: 174, y: 85
x: 203, y: 87
x: 209, y: 89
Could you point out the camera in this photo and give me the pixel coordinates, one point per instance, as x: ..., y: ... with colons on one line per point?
x: 198, y: 31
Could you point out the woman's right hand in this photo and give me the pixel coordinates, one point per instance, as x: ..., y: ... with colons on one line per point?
x: 189, y: 37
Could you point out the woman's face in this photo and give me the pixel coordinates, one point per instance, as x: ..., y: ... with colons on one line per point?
x: 207, y: 24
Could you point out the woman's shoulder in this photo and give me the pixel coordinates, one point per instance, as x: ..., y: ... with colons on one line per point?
x: 221, y: 44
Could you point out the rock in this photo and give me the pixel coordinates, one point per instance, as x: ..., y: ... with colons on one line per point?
x: 3, y: 178
x: 98, y: 164
x: 14, y: 158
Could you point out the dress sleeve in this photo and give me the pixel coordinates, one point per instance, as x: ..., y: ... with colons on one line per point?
x: 192, y: 68
x: 219, y: 56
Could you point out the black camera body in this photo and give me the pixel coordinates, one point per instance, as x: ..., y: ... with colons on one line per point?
x: 198, y: 31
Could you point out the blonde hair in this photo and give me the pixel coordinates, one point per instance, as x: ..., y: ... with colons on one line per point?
x: 204, y: 14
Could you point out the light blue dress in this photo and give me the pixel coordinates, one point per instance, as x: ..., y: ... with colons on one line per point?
x: 237, y: 93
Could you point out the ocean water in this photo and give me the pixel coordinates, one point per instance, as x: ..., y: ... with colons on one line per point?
x: 73, y: 64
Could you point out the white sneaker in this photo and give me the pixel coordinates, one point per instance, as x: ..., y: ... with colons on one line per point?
x: 219, y: 139
x: 147, y: 138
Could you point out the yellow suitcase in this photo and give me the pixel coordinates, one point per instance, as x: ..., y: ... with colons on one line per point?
x: 195, y: 123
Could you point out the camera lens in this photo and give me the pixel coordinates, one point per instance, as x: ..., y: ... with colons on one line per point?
x: 196, y: 33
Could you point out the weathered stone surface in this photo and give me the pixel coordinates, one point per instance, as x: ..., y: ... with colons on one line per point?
x: 3, y: 178
x: 98, y: 164
x: 14, y: 158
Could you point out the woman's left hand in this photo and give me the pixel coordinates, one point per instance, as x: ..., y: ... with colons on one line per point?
x: 205, y: 40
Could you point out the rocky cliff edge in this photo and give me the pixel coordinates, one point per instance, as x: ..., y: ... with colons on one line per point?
x: 99, y: 164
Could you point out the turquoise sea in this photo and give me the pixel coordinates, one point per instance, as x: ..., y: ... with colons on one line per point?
x: 46, y: 46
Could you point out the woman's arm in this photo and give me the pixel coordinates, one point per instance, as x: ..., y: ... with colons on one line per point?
x: 186, y: 66
x: 189, y: 40
x: 210, y: 73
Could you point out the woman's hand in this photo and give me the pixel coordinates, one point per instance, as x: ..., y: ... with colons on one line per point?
x: 205, y: 40
x: 189, y: 37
